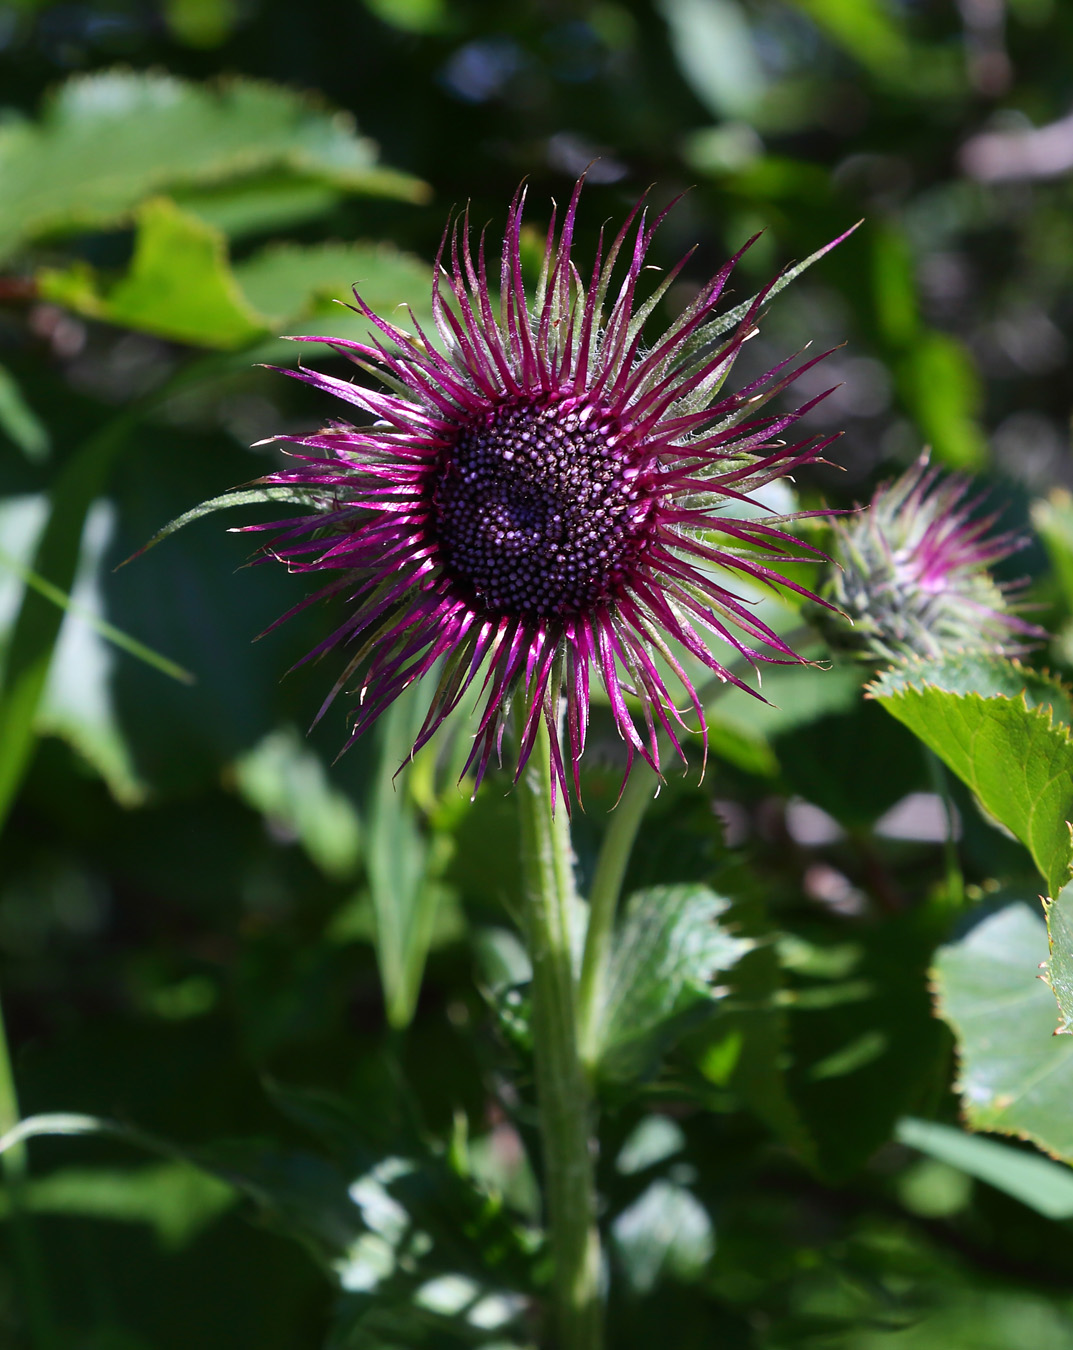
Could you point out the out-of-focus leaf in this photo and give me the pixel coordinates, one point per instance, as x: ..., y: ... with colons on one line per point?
x: 864, y: 1050
x: 413, y: 16
x: 795, y: 698
x: 258, y: 205
x: 936, y: 377
x: 867, y: 29
x: 831, y: 763
x: 179, y: 286
x: 37, y: 626
x: 101, y: 626
x: 176, y: 1199
x: 109, y: 140
x: 942, y: 387
x: 1013, y: 755
x: 286, y: 281
x: 402, y: 880
x: 20, y: 423
x: 1053, y: 520
x: 284, y: 780
x: 201, y: 23
x: 78, y: 704
x: 665, y: 1231
x: 713, y: 44
x: 1014, y: 1075
x: 668, y: 949
x: 1044, y: 1186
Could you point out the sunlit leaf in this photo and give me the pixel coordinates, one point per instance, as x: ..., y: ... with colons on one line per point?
x: 668, y: 950
x: 109, y: 140
x: 1011, y: 751
x: 1014, y: 1075
x: 179, y: 286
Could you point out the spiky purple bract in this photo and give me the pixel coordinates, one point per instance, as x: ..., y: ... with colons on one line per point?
x: 540, y: 496
x: 914, y: 573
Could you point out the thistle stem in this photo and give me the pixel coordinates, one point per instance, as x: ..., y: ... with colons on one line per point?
x: 563, y: 1097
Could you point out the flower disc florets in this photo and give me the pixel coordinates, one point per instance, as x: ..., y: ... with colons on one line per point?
x: 538, y: 497
x: 541, y: 505
x: 914, y: 575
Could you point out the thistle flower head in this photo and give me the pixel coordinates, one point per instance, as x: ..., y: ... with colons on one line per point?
x: 914, y: 575
x: 537, y: 498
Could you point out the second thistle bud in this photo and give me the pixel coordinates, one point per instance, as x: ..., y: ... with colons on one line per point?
x: 913, y: 574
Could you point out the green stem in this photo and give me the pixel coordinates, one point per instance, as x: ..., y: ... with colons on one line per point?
x: 611, y: 864
x: 955, y: 879
x: 606, y: 888
x: 565, y: 1105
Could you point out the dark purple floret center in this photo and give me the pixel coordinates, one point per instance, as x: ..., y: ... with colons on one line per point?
x: 540, y: 506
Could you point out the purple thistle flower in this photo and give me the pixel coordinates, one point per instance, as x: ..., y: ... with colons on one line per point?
x: 914, y: 575
x: 541, y: 498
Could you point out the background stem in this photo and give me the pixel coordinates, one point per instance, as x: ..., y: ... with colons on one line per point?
x: 565, y: 1104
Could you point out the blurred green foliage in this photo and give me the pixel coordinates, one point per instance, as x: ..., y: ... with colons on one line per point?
x: 300, y: 976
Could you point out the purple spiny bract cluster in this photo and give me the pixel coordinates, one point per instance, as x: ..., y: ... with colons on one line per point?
x: 540, y: 497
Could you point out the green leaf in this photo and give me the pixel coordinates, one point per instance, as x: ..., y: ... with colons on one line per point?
x: 286, y: 282
x: 179, y: 286
x: 1059, y: 975
x: 109, y: 140
x: 270, y: 202
x: 714, y: 48
x: 1045, y: 1186
x: 38, y: 623
x: 20, y: 423
x: 108, y: 631
x: 249, y: 496
x: 176, y: 1199
x: 668, y: 949
x: 666, y: 1231
x: 1015, y: 1076
x: 941, y: 386
x: 402, y: 864
x: 867, y: 30
x: 283, y: 779
x: 182, y: 286
x: 413, y: 16
x: 1009, y: 750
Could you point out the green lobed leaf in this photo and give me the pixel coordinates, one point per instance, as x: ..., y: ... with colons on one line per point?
x: 668, y: 949
x: 287, y: 282
x: 180, y: 285
x: 1014, y: 1076
x: 107, y: 141
x: 1013, y: 751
